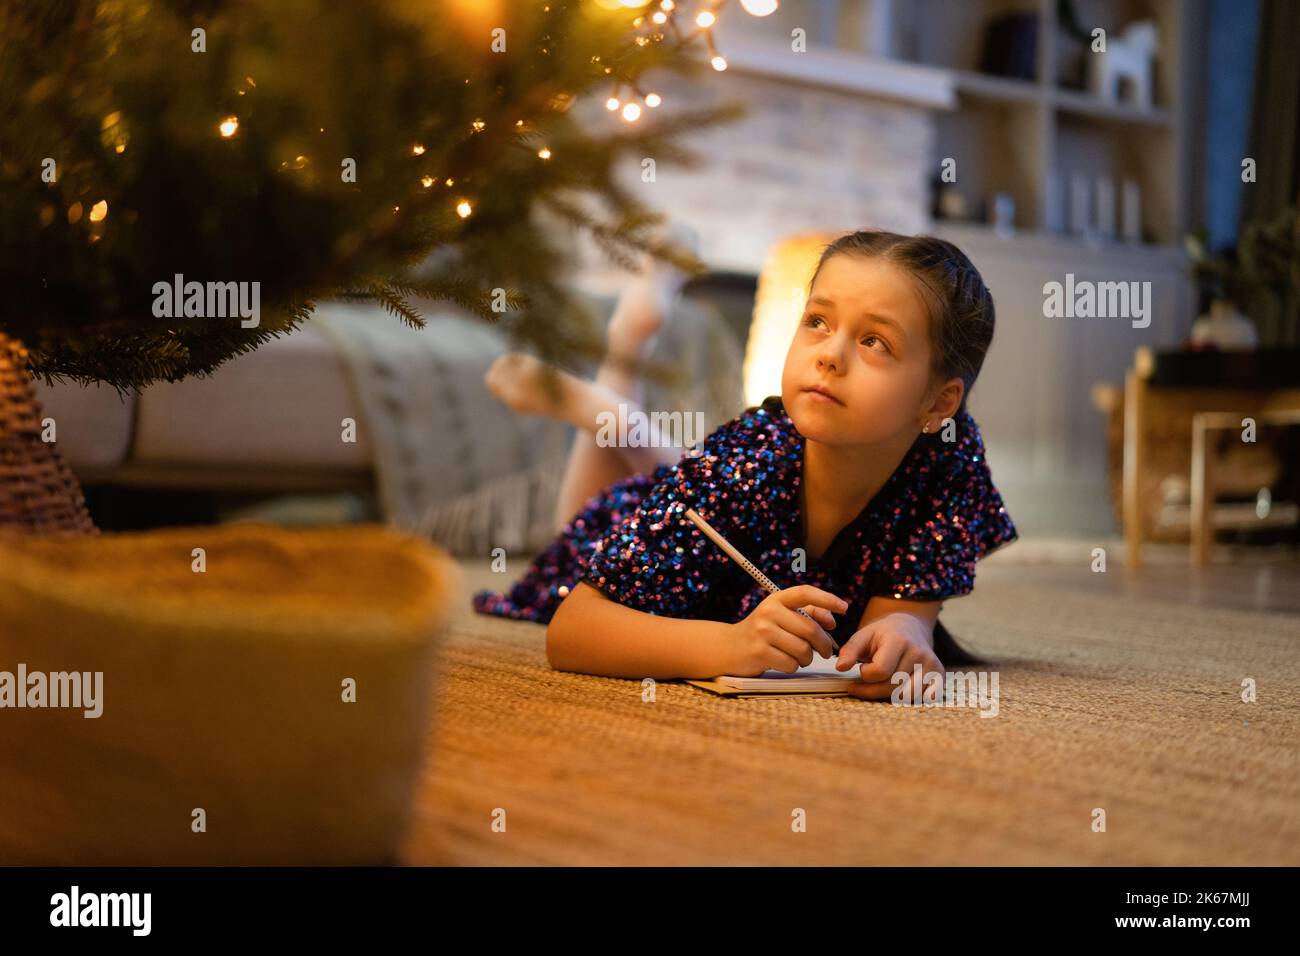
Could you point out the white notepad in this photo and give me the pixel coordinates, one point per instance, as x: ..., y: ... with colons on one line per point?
x: 819, y: 677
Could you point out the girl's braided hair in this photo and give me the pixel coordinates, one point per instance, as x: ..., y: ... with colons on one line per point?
x: 959, y: 303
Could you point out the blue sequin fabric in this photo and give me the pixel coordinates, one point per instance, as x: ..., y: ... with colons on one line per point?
x: 918, y: 538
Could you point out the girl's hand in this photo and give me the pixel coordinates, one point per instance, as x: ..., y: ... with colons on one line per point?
x: 885, y: 646
x: 775, y: 636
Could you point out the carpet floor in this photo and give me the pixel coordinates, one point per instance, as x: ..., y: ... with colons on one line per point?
x: 1129, y: 707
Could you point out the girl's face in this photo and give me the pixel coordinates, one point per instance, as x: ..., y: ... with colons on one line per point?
x: 864, y: 339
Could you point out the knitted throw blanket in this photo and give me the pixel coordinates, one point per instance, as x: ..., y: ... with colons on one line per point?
x: 451, y: 462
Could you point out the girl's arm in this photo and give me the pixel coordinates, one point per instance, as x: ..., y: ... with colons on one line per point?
x: 593, y: 635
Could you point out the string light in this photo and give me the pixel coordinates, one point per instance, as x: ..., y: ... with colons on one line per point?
x: 417, y: 149
x: 463, y: 209
x: 99, y: 211
x: 544, y: 153
x: 229, y: 126
x: 426, y: 182
x: 672, y: 14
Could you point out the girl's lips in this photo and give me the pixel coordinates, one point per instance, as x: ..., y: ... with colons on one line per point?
x: 821, y: 397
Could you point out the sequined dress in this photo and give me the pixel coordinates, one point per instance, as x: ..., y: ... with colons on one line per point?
x: 918, y: 538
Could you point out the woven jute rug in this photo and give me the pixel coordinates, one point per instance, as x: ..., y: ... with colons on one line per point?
x: 1131, y: 708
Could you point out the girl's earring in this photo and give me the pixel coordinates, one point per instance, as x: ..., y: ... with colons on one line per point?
x: 926, y: 429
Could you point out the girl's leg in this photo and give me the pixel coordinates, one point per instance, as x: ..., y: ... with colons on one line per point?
x: 591, y: 467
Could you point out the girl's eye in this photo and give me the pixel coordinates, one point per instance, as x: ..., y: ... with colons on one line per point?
x: 812, y: 321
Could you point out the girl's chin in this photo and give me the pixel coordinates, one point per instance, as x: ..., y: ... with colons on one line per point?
x: 819, y: 422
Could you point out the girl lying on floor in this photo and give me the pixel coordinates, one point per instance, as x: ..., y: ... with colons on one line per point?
x: 862, y: 490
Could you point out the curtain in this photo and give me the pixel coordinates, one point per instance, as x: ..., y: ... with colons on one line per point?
x: 1275, y: 147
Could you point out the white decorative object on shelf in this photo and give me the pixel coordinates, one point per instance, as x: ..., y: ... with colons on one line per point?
x: 1225, y: 327
x: 881, y: 24
x: 1127, y: 57
x: 1055, y: 202
x: 1004, y: 215
x: 1106, y: 207
x: 1132, y: 211
x: 1080, y: 218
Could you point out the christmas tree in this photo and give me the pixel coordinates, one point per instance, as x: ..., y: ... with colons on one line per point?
x: 388, y: 150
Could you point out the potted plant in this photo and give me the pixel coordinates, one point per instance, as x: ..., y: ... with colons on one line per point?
x: 1262, y: 272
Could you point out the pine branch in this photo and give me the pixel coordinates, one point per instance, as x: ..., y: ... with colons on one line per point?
x: 396, y: 303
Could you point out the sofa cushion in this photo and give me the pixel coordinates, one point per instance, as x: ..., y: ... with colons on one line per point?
x: 282, y: 404
x: 92, y: 422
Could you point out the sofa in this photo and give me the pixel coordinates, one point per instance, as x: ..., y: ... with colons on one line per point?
x: 431, y: 446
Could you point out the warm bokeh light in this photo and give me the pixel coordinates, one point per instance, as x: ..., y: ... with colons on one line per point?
x: 631, y: 112
x: 759, y: 8
x: 544, y: 153
x: 652, y: 100
x: 229, y: 126
x: 417, y: 149
x: 705, y: 19
x: 463, y: 209
x: 99, y: 211
x: 612, y: 103
x: 718, y: 63
x: 426, y: 182
x: 778, y: 304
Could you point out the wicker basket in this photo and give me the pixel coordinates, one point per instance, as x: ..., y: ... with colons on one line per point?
x: 38, y: 491
x: 222, y: 692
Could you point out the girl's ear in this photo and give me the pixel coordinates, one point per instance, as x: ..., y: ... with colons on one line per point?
x: 948, y: 400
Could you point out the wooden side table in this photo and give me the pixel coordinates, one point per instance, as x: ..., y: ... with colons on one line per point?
x: 1203, y: 423
x: 1169, y: 388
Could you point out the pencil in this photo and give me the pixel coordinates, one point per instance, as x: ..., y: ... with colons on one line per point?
x: 745, y: 563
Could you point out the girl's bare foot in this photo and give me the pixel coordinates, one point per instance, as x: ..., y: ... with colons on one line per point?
x: 517, y: 379
x: 645, y: 302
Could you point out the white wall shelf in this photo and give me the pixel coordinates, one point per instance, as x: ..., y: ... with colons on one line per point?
x: 1085, y: 104
x: 829, y: 68
x: 1033, y: 137
x: 1029, y: 137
